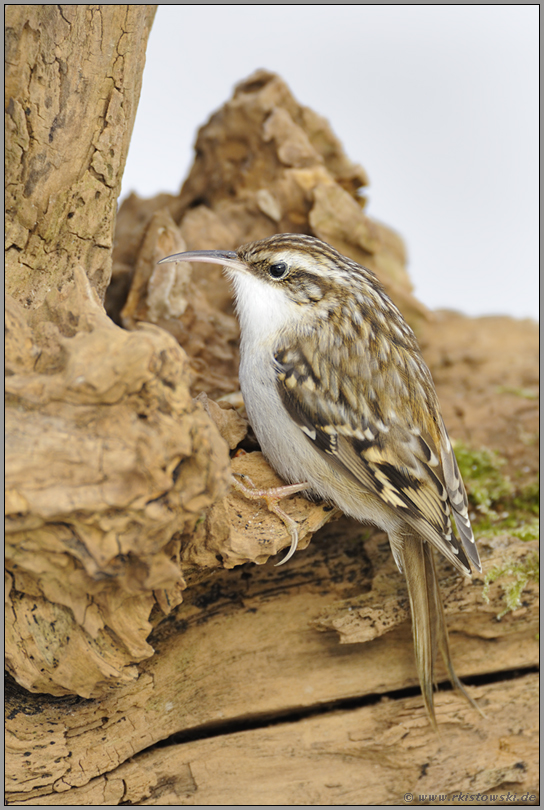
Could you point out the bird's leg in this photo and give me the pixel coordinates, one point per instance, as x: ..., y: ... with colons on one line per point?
x: 271, y: 497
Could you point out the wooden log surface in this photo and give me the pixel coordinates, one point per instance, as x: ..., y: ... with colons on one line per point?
x: 245, y: 649
x: 384, y: 754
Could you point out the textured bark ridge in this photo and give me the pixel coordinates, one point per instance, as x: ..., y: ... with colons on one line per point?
x: 135, y: 613
x: 108, y: 460
x: 73, y: 81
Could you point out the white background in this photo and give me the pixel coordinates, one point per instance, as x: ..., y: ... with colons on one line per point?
x: 437, y: 102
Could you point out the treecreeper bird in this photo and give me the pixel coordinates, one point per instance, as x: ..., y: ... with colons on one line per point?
x: 341, y: 401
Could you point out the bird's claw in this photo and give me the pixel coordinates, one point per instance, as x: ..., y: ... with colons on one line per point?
x: 271, y: 497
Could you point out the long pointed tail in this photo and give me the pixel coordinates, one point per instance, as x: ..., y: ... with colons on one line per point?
x: 428, y: 621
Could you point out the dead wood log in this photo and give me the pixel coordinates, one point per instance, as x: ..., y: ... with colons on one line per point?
x: 244, y: 648
x: 383, y: 754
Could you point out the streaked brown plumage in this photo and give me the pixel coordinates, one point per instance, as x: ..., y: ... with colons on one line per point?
x: 339, y: 396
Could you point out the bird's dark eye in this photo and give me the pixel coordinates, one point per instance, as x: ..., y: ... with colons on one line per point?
x: 278, y: 270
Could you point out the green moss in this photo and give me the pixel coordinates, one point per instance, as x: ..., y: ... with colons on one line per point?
x: 512, y: 525
x: 528, y: 497
x: 497, y: 503
x: 499, y: 506
x: 516, y: 575
x: 527, y: 531
x: 481, y: 471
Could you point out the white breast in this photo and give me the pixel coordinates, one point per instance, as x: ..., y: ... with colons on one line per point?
x: 265, y: 312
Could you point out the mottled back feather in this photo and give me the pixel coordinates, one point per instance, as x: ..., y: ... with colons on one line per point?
x: 389, y: 446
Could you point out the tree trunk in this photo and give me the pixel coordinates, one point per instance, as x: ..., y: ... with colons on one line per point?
x: 73, y: 80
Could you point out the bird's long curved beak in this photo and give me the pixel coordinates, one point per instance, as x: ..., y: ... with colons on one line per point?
x: 226, y: 258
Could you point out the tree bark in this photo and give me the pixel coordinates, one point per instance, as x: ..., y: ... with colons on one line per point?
x: 73, y: 80
x: 99, y: 421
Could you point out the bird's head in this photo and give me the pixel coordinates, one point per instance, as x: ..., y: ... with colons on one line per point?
x: 296, y: 281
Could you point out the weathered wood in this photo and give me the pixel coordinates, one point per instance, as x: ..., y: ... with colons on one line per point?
x: 376, y: 755
x: 246, y: 646
x: 107, y: 460
x: 73, y: 81
x: 363, y: 757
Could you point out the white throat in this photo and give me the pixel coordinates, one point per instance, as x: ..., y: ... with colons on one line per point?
x: 264, y: 310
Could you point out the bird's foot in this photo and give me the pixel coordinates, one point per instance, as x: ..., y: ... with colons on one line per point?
x: 271, y: 497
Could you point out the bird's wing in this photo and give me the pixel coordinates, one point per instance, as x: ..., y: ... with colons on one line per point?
x: 394, y: 446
